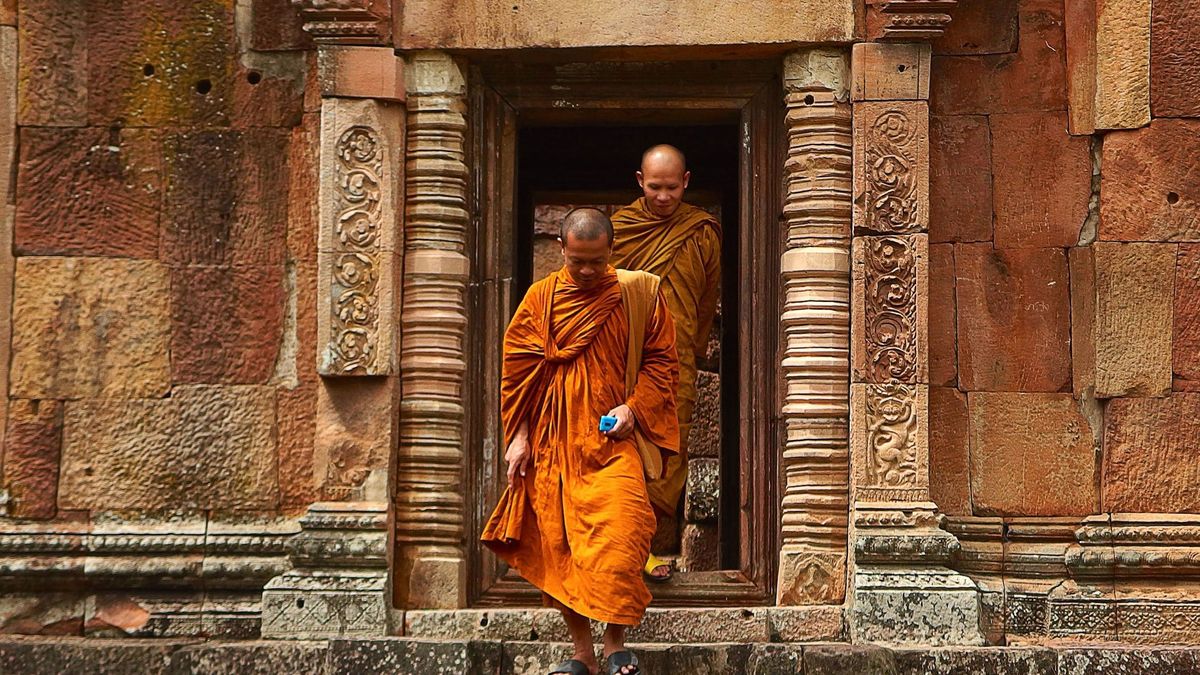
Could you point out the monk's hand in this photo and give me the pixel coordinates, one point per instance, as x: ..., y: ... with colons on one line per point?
x: 517, y: 457
x: 625, y: 422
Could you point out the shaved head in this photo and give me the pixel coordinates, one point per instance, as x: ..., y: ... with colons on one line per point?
x: 663, y: 178
x: 664, y: 156
x: 586, y: 224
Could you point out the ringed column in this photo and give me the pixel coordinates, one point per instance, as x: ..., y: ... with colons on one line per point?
x: 903, y: 591
x: 815, y: 265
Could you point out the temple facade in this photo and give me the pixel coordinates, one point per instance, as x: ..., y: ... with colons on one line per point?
x: 257, y: 257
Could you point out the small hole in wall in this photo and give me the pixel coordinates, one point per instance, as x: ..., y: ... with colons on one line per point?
x: 1172, y: 197
x: 746, y: 614
x: 901, y: 68
x: 203, y: 87
x: 148, y: 70
x: 254, y: 77
x: 809, y: 100
x: 483, y: 622
x: 300, y: 603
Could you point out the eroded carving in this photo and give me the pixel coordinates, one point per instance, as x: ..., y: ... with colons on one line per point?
x: 891, y: 435
x: 346, y: 21
x: 913, y: 20
x: 890, y: 277
x: 891, y: 173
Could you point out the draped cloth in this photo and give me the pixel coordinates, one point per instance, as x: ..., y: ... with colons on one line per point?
x: 578, y: 524
x: 685, y: 251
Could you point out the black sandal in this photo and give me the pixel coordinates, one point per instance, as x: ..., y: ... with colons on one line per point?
x: 622, y: 659
x: 571, y: 667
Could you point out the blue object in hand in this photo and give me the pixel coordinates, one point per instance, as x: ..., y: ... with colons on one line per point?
x: 607, y: 422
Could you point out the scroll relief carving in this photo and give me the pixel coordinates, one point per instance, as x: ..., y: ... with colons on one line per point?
x: 890, y: 279
x: 891, y: 436
x: 345, y: 21
x: 891, y: 176
x: 355, y: 289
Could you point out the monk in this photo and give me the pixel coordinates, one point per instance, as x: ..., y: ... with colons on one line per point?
x: 575, y: 519
x: 680, y: 243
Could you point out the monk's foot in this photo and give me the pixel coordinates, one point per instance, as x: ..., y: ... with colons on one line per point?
x: 622, y: 662
x: 588, y: 659
x: 657, y: 569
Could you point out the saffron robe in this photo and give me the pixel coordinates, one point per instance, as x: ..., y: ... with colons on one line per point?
x: 685, y: 251
x: 578, y: 524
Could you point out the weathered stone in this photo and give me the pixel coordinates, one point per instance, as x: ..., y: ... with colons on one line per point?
x: 699, y: 548
x: 1122, y: 308
x: 54, y: 656
x: 129, y: 454
x: 491, y: 24
x: 889, y: 72
x: 1031, y: 455
x: 244, y: 172
x: 960, y: 178
x: 1102, y: 661
x: 949, y: 469
x: 41, y: 614
x: 90, y: 327
x: 1174, y: 61
x: 547, y: 256
x: 283, y: 657
x: 1122, y: 64
x: 296, y: 425
x: 1185, y: 357
x: 1013, y: 319
x: 704, y: 436
x: 994, y: 661
x: 361, y: 72
x: 32, y: 448
x: 980, y: 27
x: 943, y: 364
x: 8, y: 12
x: 831, y: 659
x: 1149, y: 462
x: 1150, y: 189
x: 88, y: 192
x: 268, y: 90
x: 1079, y: 21
x: 702, y: 500
x: 771, y: 659
x: 276, y: 25
x: 806, y: 624
x: 1042, y: 180
x: 303, y: 181
x: 52, y: 86
x: 355, y: 434
x: 678, y: 625
x: 227, y: 323
x: 1032, y: 79
x: 932, y: 606
x: 414, y: 657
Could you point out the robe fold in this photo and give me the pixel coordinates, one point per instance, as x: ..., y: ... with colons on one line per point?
x: 578, y: 525
x: 685, y: 251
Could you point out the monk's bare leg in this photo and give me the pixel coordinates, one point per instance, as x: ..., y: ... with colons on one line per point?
x: 614, y: 641
x: 581, y: 635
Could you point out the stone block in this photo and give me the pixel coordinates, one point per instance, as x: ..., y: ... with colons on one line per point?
x: 813, y: 623
x: 889, y: 72
x: 1149, y: 459
x: 8, y: 102
x: 1104, y: 660
x: 1031, y: 455
x: 8, y: 13
x: 276, y: 25
x: 699, y: 548
x: 1013, y: 319
x: 296, y: 425
x: 90, y: 327
x: 844, y: 658
x: 949, y: 467
x: 1185, y: 344
x: 41, y: 614
x: 704, y: 436
x: 980, y: 27
x: 304, y: 183
x: 268, y: 90
x: 159, y: 63
x: 355, y: 435
x: 1080, y: 23
x: 227, y: 323
x: 54, y: 657
x: 1174, y: 60
x: 226, y: 195
x: 987, y: 661
x: 1122, y: 298
x: 1042, y: 180
x: 291, y: 657
x: 772, y: 659
x: 129, y: 453
x: 960, y: 178
x: 943, y: 363
x: 702, y: 501
x: 713, y: 624
x: 1150, y: 188
x: 32, y: 446
x: 547, y: 256
x: 405, y: 656
x: 361, y: 72
x: 933, y: 607
x: 1122, y: 64
x: 52, y: 77
x: 1032, y: 79
x: 88, y: 191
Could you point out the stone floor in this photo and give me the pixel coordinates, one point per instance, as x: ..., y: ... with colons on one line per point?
x: 37, y: 656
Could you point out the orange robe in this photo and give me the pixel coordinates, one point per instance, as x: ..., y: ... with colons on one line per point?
x: 578, y: 525
x: 685, y: 251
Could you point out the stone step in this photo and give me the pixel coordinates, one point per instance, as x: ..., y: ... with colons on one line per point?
x: 405, y: 656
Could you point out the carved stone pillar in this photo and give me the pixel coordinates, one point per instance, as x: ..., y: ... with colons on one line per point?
x: 816, y: 329
x: 903, y: 591
x: 428, y: 499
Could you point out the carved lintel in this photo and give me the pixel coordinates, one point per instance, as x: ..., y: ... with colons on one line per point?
x: 914, y: 20
x: 352, y: 22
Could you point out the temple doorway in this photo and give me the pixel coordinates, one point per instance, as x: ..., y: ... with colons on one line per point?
x: 546, y: 138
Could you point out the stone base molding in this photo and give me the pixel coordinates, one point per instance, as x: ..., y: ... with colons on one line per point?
x: 339, y: 584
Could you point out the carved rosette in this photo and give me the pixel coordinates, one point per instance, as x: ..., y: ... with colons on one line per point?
x: 891, y: 198
x: 915, y: 20
x: 357, y: 22
x: 891, y: 310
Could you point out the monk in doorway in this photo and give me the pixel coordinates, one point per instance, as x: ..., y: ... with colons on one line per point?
x: 586, y: 343
x: 681, y: 244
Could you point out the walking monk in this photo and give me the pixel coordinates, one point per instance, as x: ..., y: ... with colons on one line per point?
x: 680, y: 243
x: 575, y: 519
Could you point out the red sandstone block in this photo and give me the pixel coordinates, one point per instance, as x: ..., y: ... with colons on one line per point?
x: 8, y: 12
x: 269, y: 96
x: 1032, y: 79
x: 960, y: 179
x: 1013, y: 319
x: 1042, y: 180
x: 949, y: 470
x: 1031, y: 455
x: 276, y: 25
x: 303, y: 169
x: 980, y: 27
x: 1150, y: 456
x: 88, y: 191
x: 943, y: 368
x: 226, y: 197
x: 52, y: 86
x: 296, y: 424
x: 226, y: 323
x: 1150, y: 185
x: 1174, y: 59
x: 32, y: 448
x: 1186, y: 343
